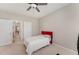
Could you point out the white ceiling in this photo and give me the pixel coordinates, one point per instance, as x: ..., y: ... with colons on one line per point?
x: 20, y: 8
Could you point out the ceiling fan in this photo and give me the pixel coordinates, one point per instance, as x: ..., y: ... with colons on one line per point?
x: 35, y: 6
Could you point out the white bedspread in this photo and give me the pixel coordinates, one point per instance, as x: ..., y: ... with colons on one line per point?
x: 36, y: 42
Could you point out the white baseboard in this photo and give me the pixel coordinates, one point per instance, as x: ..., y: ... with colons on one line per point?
x: 10, y: 42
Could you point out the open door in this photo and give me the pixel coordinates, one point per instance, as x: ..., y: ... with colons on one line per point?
x: 27, y: 29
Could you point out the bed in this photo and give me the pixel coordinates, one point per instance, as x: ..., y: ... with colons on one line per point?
x: 36, y: 42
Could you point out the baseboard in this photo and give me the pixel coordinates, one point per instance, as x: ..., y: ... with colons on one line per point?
x: 8, y: 43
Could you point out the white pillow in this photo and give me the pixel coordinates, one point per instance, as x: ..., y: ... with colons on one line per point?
x: 48, y: 36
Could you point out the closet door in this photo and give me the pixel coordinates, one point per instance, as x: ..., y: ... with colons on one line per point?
x: 27, y: 29
x: 6, y: 30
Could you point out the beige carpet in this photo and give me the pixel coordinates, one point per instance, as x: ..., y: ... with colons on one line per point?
x: 54, y: 49
x: 18, y: 48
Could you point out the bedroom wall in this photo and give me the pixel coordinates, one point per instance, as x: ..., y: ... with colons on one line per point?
x: 11, y: 16
x: 65, y: 25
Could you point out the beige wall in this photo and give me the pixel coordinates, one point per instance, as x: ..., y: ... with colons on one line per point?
x: 10, y: 16
x: 65, y: 25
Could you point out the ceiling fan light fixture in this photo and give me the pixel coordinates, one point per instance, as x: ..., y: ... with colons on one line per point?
x: 33, y: 5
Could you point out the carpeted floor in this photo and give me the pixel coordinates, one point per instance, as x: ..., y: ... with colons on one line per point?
x: 16, y: 48
x: 55, y: 49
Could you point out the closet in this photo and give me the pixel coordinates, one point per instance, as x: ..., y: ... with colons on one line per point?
x: 6, y: 31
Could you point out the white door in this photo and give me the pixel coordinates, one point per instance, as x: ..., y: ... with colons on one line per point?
x: 6, y: 30
x: 27, y: 29
x: 21, y: 30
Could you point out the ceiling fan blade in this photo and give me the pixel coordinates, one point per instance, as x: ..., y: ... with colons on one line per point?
x: 37, y: 9
x: 29, y: 8
x: 41, y: 4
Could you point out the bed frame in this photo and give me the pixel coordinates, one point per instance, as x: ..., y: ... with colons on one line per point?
x: 48, y: 33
